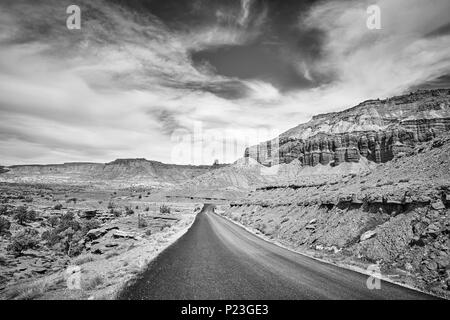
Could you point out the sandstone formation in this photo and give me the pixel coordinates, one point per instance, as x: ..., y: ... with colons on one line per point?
x: 375, y: 129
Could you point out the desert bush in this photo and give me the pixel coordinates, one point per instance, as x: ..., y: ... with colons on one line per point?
x: 116, y: 213
x: 164, y: 226
x: 4, y: 226
x: 66, y: 235
x: 22, y: 215
x: 28, y: 199
x: 111, y: 206
x: 147, y: 209
x: 27, y: 291
x: 128, y: 210
x: 26, y: 239
x: 164, y: 209
x: 90, y: 224
x: 32, y: 215
x: 53, y: 221
x: 4, y: 211
x: 58, y: 206
x: 148, y: 232
x: 45, y: 235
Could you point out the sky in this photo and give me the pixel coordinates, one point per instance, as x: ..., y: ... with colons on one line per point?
x: 191, y: 81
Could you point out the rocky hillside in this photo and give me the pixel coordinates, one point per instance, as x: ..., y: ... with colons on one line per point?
x: 247, y: 174
x: 120, y: 171
x: 377, y: 130
x: 396, y: 215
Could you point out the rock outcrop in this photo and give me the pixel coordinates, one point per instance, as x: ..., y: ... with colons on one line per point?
x: 378, y: 130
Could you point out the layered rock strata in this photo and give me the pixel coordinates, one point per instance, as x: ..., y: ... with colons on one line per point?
x: 376, y: 129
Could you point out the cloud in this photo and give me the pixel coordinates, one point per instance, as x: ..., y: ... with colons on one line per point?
x: 381, y: 62
x: 124, y: 83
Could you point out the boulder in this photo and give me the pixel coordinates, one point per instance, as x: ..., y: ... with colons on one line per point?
x: 95, y: 233
x: 122, y: 234
x: 437, y: 205
x: 367, y: 235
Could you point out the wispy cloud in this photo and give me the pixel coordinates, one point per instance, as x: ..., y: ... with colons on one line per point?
x: 121, y: 85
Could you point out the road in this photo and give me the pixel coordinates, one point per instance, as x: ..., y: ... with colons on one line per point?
x: 217, y: 259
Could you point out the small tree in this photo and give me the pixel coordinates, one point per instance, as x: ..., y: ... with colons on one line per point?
x: 53, y: 220
x: 21, y: 215
x: 26, y: 239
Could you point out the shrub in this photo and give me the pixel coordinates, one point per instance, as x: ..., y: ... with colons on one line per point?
x: 58, y: 206
x: 4, y: 226
x: 111, y: 206
x: 90, y: 224
x: 53, y: 221
x: 27, y: 291
x: 31, y: 215
x: 128, y: 210
x: 164, y: 209
x: 66, y: 235
x: 148, y: 232
x: 28, y: 199
x: 116, y: 213
x: 147, y: 209
x: 164, y: 226
x: 26, y: 239
x: 22, y: 215
x: 4, y: 211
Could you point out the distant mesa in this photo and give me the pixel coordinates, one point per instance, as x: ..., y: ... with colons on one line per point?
x: 377, y: 130
x: 138, y: 171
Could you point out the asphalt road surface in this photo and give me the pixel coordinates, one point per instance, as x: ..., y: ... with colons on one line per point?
x: 217, y: 259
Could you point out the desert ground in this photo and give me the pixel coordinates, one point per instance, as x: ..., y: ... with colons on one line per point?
x: 77, y: 243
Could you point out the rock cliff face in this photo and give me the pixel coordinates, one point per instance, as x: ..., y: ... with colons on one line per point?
x: 375, y: 129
